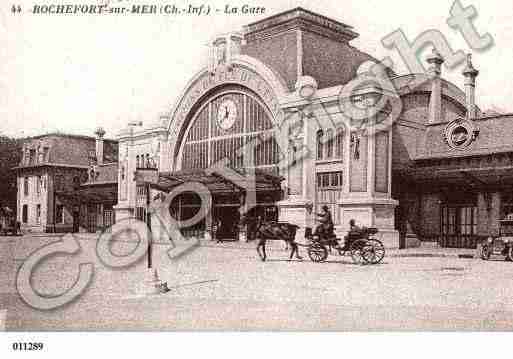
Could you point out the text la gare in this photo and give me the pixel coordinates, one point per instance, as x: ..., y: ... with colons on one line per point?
x: 245, y: 9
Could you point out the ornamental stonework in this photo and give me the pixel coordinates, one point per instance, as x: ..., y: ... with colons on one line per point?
x: 236, y: 75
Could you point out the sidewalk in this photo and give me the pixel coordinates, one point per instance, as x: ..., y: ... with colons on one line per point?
x: 423, y: 251
x: 427, y: 250
x: 437, y: 252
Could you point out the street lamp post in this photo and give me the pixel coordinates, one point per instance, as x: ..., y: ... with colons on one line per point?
x: 153, y: 285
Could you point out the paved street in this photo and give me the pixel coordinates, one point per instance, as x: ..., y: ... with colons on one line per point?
x: 223, y: 287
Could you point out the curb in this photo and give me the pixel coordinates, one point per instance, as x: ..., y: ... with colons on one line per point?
x: 432, y: 255
x: 3, y: 320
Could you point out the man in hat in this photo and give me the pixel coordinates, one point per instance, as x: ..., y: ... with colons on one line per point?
x: 325, y: 228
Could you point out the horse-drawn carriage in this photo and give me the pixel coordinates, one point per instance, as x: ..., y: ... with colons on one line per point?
x: 362, y: 245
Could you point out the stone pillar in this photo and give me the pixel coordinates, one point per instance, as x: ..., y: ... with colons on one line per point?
x: 296, y: 208
x: 495, y: 213
x: 367, y: 191
x: 126, y: 178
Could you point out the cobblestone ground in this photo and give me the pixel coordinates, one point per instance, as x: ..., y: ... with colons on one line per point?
x: 223, y: 287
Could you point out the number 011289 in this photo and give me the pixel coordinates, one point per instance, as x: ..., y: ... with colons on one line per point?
x: 22, y: 346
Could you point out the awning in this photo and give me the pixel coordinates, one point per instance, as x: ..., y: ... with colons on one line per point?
x: 476, y: 177
x: 217, y: 183
x: 105, y: 193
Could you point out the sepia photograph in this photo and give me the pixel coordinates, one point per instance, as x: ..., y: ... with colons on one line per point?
x: 261, y: 166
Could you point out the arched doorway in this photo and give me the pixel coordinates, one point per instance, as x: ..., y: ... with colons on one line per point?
x: 234, y: 128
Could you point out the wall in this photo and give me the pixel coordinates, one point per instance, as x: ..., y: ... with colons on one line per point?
x: 279, y: 52
x: 330, y: 62
x: 430, y: 215
x: 71, y: 150
x: 68, y: 175
x: 358, y: 167
x: 33, y: 199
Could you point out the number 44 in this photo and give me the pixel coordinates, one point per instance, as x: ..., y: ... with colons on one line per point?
x: 15, y: 9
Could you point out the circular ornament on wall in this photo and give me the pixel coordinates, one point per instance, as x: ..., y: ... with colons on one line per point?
x: 460, y: 133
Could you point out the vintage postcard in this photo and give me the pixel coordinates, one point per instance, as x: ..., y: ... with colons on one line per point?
x: 255, y: 166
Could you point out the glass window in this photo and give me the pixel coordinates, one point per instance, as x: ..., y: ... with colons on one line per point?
x: 329, y: 144
x: 458, y: 220
x: 329, y: 190
x: 320, y: 145
x: 38, y: 214
x: 224, y: 125
x: 32, y: 157
x: 339, y: 143
x: 26, y: 186
x: 24, y: 217
x: 59, y: 182
x: 39, y: 185
x: 46, y: 151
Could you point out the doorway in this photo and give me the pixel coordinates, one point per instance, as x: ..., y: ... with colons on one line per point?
x: 76, y: 221
x: 228, y: 222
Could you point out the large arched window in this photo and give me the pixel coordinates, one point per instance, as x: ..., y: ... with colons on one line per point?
x: 339, y: 143
x: 329, y: 144
x: 234, y: 126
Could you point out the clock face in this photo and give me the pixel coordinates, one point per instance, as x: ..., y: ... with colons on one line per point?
x: 226, y: 114
x: 459, y: 135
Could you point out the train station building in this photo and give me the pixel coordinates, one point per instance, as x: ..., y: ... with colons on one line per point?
x: 273, y: 104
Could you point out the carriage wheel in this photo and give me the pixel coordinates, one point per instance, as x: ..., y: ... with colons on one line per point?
x: 373, y: 251
x: 317, y: 253
x: 356, y: 251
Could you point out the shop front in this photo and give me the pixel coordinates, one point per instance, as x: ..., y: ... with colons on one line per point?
x: 459, y: 201
x: 228, y: 215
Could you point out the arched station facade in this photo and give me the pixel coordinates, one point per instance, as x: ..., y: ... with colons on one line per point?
x: 270, y: 103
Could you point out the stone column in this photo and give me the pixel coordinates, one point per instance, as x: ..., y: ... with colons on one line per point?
x: 367, y: 194
x: 295, y: 208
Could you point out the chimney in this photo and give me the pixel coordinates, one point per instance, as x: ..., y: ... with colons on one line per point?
x: 470, y: 74
x: 100, y: 132
x: 435, y: 61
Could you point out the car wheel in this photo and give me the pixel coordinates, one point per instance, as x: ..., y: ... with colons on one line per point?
x: 509, y: 256
x: 485, y: 252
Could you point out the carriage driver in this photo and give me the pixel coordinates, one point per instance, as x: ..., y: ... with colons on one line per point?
x: 354, y: 233
x: 325, y: 228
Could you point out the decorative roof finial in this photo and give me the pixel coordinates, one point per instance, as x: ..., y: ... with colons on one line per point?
x: 100, y: 132
x: 469, y: 70
x: 435, y: 60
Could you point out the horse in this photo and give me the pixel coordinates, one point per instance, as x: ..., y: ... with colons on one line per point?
x: 276, y: 231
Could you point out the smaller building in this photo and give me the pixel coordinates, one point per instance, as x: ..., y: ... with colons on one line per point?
x: 63, y: 183
x: 7, y: 219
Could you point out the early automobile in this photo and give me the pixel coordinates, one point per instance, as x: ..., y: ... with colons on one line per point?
x: 501, y: 245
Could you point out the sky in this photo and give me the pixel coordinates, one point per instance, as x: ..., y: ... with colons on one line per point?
x: 75, y: 73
